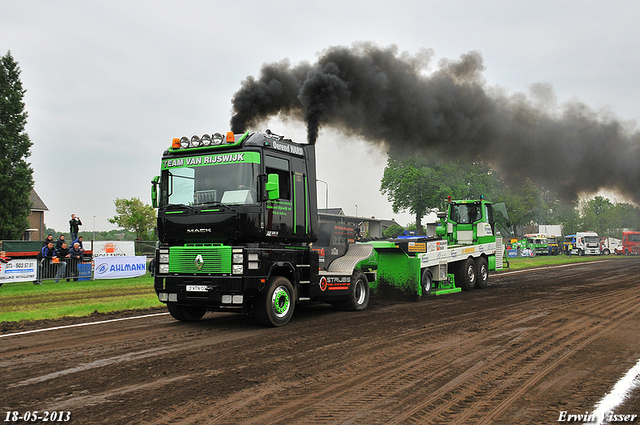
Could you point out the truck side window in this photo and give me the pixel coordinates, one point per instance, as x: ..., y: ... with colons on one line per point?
x: 280, y: 167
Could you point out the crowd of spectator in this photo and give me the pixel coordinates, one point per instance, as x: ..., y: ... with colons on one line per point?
x: 61, y: 261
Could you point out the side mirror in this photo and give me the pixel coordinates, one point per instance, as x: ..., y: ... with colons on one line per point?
x: 154, y: 191
x: 272, y: 186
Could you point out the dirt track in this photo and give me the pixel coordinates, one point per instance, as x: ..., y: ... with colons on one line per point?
x: 524, y: 349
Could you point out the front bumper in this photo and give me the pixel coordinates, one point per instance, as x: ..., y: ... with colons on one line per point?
x: 212, y: 292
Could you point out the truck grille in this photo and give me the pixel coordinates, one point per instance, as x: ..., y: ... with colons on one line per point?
x: 200, y: 259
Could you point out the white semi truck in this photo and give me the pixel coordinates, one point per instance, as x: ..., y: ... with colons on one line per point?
x: 587, y: 243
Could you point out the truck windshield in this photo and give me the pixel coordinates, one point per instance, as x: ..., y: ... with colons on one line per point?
x: 591, y: 239
x: 227, y: 184
x: 465, y: 213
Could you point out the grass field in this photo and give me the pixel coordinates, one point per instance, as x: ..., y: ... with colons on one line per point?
x: 26, y: 301
x: 544, y: 260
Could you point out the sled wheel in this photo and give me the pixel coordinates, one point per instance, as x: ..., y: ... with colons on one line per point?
x: 482, y: 272
x: 427, y: 282
x: 466, y: 274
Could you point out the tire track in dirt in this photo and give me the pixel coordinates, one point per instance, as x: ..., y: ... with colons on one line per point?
x: 399, y: 377
x: 524, y: 367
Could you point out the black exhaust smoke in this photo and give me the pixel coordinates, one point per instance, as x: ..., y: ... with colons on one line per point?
x: 388, y: 98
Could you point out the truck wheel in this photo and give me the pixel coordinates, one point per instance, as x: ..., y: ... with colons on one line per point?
x: 276, y: 306
x: 358, y: 297
x: 427, y: 282
x: 466, y: 274
x: 482, y: 272
x: 606, y: 252
x: 186, y: 313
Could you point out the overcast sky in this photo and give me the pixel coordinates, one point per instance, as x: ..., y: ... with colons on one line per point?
x: 110, y: 83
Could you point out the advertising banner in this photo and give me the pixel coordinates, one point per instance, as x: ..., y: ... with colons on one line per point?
x: 18, y: 271
x: 119, y: 267
x: 112, y: 248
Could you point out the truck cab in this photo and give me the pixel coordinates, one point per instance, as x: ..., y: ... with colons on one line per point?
x: 237, y: 219
x: 469, y: 222
x: 586, y: 243
x: 630, y: 243
x: 537, y: 243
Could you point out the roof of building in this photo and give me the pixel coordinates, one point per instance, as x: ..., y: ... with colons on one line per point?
x: 38, y: 205
x: 333, y: 211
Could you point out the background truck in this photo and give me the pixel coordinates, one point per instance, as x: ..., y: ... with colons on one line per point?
x: 535, y: 242
x: 609, y: 245
x: 586, y: 243
x: 238, y: 231
x: 630, y: 243
x: 553, y: 245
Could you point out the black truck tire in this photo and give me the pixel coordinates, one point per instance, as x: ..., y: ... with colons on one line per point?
x: 186, y: 313
x: 466, y: 274
x: 427, y: 282
x: 482, y: 272
x: 276, y: 306
x: 358, y: 298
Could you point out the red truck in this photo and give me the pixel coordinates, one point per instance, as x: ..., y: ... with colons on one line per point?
x: 630, y: 243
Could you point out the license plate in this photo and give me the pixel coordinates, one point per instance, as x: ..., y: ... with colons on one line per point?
x: 197, y: 288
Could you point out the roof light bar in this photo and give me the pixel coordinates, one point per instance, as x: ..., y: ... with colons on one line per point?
x: 216, y: 139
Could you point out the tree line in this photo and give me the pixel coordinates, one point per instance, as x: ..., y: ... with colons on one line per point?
x: 420, y: 185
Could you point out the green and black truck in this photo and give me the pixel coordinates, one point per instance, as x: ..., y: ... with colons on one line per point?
x: 238, y: 231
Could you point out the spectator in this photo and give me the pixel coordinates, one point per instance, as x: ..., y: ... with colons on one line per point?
x: 60, y: 241
x: 74, y: 224
x: 63, y: 256
x: 3, y: 257
x: 47, y: 240
x: 47, y: 251
x: 78, y: 240
x: 75, y: 258
x: 46, y: 256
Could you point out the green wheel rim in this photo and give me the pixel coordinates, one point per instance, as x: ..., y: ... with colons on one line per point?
x: 280, y: 301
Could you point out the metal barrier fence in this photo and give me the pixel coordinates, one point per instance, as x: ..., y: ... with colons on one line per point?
x: 147, y: 248
x: 64, y: 269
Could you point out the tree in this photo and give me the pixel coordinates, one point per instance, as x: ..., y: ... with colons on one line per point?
x: 393, y: 231
x: 134, y: 216
x: 421, y: 185
x: 16, y: 175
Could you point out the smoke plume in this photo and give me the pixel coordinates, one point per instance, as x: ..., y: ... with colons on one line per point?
x: 395, y: 100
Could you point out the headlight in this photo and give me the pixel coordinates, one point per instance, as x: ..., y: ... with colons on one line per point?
x: 237, y: 258
x: 163, y: 268
x: 252, y: 257
x: 206, y: 140
x: 163, y: 258
x: 217, y: 139
x: 184, y: 142
x: 237, y: 269
x: 195, y: 141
